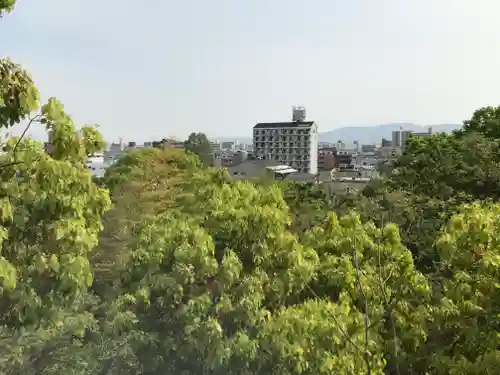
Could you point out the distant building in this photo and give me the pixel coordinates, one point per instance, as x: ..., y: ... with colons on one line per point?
x: 173, y: 143
x: 425, y: 134
x: 327, y: 145
x: 345, y: 158
x: 96, y: 164
x: 114, y: 151
x: 384, y: 153
x: 357, y: 146
x: 327, y: 158
x: 294, y: 144
x: 215, y: 146
x: 259, y: 170
x: 386, y: 143
x: 231, y: 159
x: 97, y: 169
x: 228, y: 146
x: 249, y: 169
x: 226, y: 161
x: 240, y: 146
x: 347, y: 184
x: 368, y: 149
x: 399, y: 138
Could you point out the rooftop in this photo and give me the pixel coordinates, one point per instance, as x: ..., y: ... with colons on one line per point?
x: 282, y: 169
x: 295, y: 124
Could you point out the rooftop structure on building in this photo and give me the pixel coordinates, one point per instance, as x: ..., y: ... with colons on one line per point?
x: 282, y: 169
x: 293, y: 143
x: 424, y: 134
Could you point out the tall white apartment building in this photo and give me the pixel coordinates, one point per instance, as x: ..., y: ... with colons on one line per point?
x: 290, y: 143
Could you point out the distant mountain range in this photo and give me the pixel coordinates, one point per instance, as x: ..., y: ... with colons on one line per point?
x: 366, y: 134
x: 374, y: 134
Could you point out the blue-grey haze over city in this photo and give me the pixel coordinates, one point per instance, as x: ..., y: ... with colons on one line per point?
x: 148, y: 70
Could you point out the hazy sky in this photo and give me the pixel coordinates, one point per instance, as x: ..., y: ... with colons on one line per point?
x: 150, y: 69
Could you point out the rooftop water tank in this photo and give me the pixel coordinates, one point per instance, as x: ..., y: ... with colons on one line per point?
x: 299, y: 114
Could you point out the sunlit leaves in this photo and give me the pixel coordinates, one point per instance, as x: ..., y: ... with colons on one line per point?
x: 485, y: 121
x: 18, y: 94
x: 318, y: 337
x: 6, y: 6
x: 8, y: 276
x: 199, y: 274
x: 56, y: 212
x: 92, y: 141
x: 141, y: 159
x: 468, y: 315
x: 50, y: 215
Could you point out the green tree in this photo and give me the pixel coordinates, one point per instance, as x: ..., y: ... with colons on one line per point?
x: 144, y: 183
x: 485, y: 121
x: 203, y: 288
x: 18, y: 94
x: 50, y: 221
x: 308, y: 204
x: 369, y: 269
x: 195, y: 273
x: 466, y: 324
x: 118, y: 174
x: 6, y: 6
x: 198, y: 144
x: 445, y: 166
x: 419, y: 218
x: 219, y: 276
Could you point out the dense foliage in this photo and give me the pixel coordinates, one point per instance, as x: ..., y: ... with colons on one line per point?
x: 170, y: 267
x: 198, y: 144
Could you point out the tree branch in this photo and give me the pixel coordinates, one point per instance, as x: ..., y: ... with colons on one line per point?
x: 366, y: 319
x: 342, y: 331
x: 388, y: 307
x: 36, y: 118
x: 15, y: 162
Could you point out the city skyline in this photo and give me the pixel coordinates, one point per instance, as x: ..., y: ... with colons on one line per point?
x: 180, y: 70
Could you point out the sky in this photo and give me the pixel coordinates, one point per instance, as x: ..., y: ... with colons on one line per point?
x: 154, y: 69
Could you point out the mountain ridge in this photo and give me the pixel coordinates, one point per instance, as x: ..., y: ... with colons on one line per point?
x: 374, y: 134
x: 365, y: 134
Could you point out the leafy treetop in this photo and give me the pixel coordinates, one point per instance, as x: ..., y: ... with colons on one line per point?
x: 6, y: 6
x: 198, y: 144
x: 485, y: 121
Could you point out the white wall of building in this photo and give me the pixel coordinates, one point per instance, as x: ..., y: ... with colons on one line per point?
x: 293, y: 144
x: 97, y: 169
x: 314, y: 144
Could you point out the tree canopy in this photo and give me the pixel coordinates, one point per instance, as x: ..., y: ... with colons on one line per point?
x: 198, y: 144
x: 50, y: 223
x: 446, y: 165
x: 485, y: 121
x: 171, y: 267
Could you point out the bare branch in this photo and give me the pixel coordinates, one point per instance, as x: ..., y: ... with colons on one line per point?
x: 367, y: 355
x: 36, y: 118
x: 9, y: 164
x: 388, y: 307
